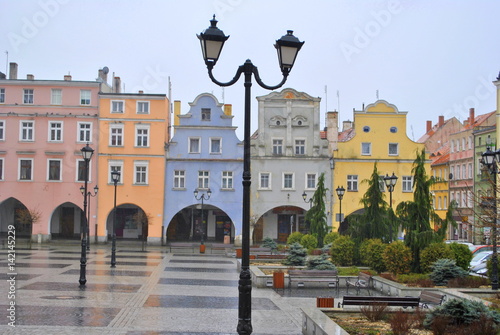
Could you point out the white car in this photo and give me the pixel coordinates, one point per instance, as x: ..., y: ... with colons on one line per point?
x: 479, y: 258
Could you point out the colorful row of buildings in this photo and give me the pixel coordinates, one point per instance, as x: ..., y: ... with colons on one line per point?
x: 181, y: 173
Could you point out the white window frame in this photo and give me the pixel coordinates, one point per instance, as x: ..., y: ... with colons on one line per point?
x: 204, y: 113
x: 300, y: 147
x: 261, y: 175
x: 115, y: 165
x: 179, y: 179
x: 211, y: 143
x: 117, y: 136
x: 307, y: 179
x: 445, y: 202
x: 284, y: 180
x: 116, y: 103
x: 84, y: 132
x: 2, y: 168
x: 396, y: 145
x: 2, y: 130
x: 60, y: 169
x: 27, y: 133
x: 190, y: 146
x: 19, y: 169
x: 227, y: 180
x: 82, y: 161
x: 85, y: 97
x: 28, y: 96
x: 277, y: 146
x: 203, y: 180
x: 56, y: 96
x: 407, y: 184
x: 58, y: 132
x: 366, y: 149
x: 471, y: 171
x: 140, y: 136
x: 464, y: 171
x: 140, y: 110
x: 2, y: 95
x: 352, y: 183
x: 144, y: 172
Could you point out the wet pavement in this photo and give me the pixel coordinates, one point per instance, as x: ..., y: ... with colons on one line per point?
x: 148, y: 293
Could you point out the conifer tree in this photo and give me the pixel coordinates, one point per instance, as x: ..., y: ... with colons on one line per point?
x: 316, y: 215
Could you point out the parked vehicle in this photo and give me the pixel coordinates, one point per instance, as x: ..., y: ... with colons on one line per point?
x: 478, y: 259
x: 471, y: 246
x: 482, y: 248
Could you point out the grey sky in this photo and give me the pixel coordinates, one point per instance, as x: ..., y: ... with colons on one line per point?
x: 429, y: 58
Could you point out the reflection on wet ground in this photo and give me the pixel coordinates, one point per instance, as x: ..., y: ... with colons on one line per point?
x: 203, y: 282
x: 181, y: 301
x: 52, y: 286
x: 199, y: 269
x: 113, y: 272
x: 126, y: 263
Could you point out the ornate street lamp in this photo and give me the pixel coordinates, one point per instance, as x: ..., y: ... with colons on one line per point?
x: 212, y: 40
x: 115, y: 177
x: 89, y: 194
x: 490, y: 159
x: 390, y: 182
x: 87, y: 153
x: 304, y: 196
x: 202, y: 197
x: 340, y: 193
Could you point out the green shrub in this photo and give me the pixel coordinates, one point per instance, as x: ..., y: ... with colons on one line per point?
x: 330, y: 237
x: 461, y: 254
x: 363, y: 251
x: 342, y: 251
x: 296, y: 255
x: 268, y: 242
x: 309, y: 241
x: 412, y: 279
x: 432, y: 253
x: 461, y: 312
x: 371, y: 252
x: 444, y: 270
x: 321, y: 262
x: 294, y: 237
x: 397, y: 258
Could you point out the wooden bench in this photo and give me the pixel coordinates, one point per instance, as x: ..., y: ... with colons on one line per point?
x: 180, y: 245
x: 359, y: 300
x: 319, y: 276
x: 431, y: 298
x: 364, y: 280
x: 220, y: 246
x: 256, y: 251
x: 263, y: 256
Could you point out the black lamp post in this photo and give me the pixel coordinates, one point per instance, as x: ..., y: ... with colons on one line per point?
x: 87, y: 153
x: 390, y: 182
x: 202, y: 197
x: 89, y: 194
x: 491, y: 159
x: 340, y: 193
x: 212, y: 41
x: 115, y: 177
x: 304, y: 196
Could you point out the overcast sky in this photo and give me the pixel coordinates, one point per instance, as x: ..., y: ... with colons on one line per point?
x: 429, y: 58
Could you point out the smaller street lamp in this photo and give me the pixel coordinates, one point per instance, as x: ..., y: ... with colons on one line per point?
x: 390, y: 182
x: 304, y: 196
x: 89, y: 194
x: 115, y: 177
x: 340, y: 193
x: 87, y: 153
x: 202, y: 197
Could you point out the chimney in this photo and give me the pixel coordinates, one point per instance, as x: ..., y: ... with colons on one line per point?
x: 13, y: 71
x: 117, y: 85
x: 441, y: 120
x: 472, y: 116
x: 332, y: 130
x: 141, y: 92
x: 346, y: 125
x: 429, y: 126
x: 177, y: 112
x: 103, y: 75
x: 30, y: 77
x: 67, y: 77
x: 228, y: 109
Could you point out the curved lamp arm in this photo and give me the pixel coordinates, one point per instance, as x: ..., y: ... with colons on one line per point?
x: 259, y: 81
x: 229, y: 83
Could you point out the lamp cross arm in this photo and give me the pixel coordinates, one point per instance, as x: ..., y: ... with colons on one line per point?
x: 267, y: 87
x: 229, y: 83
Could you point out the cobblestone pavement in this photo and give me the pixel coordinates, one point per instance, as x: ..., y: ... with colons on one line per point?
x: 148, y: 293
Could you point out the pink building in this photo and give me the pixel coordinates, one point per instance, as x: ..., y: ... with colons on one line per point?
x: 43, y: 126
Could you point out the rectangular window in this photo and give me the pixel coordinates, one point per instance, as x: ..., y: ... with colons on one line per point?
x: 464, y: 199
x: 265, y: 181
x: 381, y: 183
x: 81, y: 170
x: 458, y: 176
x: 300, y: 147
x: 463, y: 144
x: 194, y: 145
x: 227, y: 180
x: 470, y: 171
x: 215, y: 145
x: 54, y: 169
x: 352, y: 182
x: 1, y: 169
x: 288, y: 181
x: 278, y: 147
x: 464, y: 171
x: 2, y: 130
x: 203, y: 178
x: 311, y: 181
x: 141, y: 173
x: 84, y: 132
x: 142, y: 107
x: 117, y: 106
x: 179, y: 179
x: 2, y: 95
x: 28, y: 96
x: 25, y: 169
x: 407, y: 183
x: 56, y: 96
x: 445, y: 202
x: 84, y: 97
x: 393, y: 149
x: 366, y: 149
x: 55, y: 131
x: 118, y: 167
x: 205, y: 114
x: 142, y: 135
x: 27, y: 132
x: 116, y: 135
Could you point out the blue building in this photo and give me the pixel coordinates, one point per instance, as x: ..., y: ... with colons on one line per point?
x: 204, y: 155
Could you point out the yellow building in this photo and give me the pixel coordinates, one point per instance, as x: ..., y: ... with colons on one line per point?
x: 134, y: 129
x: 440, y: 173
x: 377, y: 135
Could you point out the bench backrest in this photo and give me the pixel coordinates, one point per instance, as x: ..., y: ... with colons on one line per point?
x: 312, y: 273
x: 364, y: 276
x: 378, y: 298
